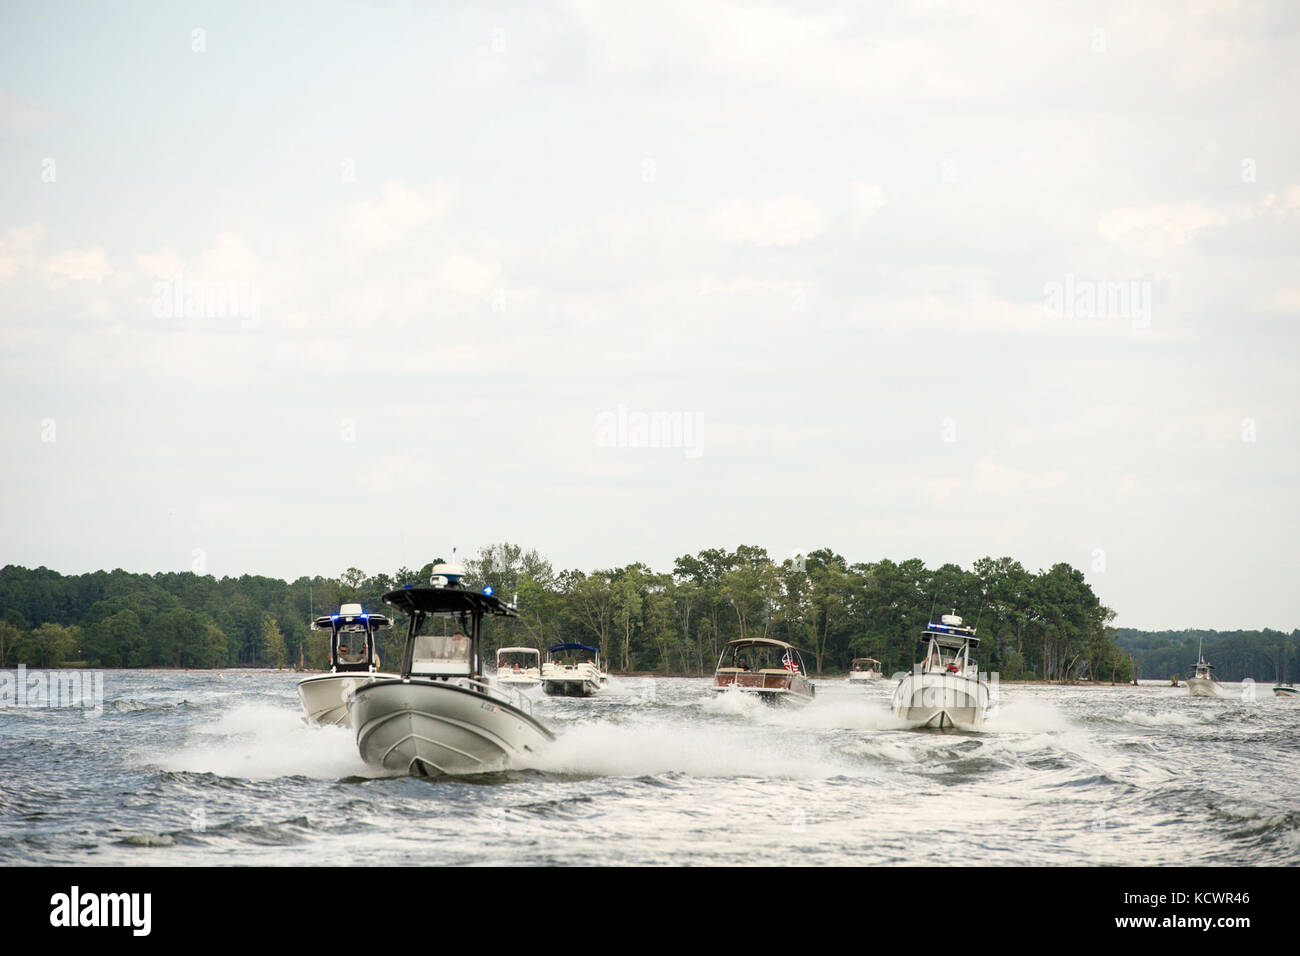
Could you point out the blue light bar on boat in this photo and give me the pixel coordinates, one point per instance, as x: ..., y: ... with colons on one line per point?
x: 487, y: 589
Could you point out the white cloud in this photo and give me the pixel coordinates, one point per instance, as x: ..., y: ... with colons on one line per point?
x: 993, y: 478
x: 467, y: 276
x: 375, y: 223
x: 20, y: 252
x: 17, y: 112
x: 780, y: 221
x: 80, y: 265
x: 18, y: 249
x: 865, y: 199
x: 161, y: 265
x: 1155, y: 230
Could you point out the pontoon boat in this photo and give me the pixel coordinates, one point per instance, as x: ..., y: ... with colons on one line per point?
x: 519, y: 667
x: 572, y: 670
x: 865, y: 670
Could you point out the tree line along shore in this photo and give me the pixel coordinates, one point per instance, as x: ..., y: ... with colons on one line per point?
x: 1044, y: 625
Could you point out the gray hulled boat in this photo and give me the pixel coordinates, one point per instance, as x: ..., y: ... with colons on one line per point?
x: 946, y: 688
x: 440, y: 715
x: 354, y: 661
x: 1203, y: 683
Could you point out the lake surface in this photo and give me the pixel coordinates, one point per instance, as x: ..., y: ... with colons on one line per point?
x: 200, y: 769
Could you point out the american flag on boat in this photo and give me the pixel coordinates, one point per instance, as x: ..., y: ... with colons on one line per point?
x: 789, y: 663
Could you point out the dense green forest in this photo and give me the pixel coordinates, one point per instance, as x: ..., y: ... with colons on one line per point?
x: 1264, y: 656
x: 1032, y: 625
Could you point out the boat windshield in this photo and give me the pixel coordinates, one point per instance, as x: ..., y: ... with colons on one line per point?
x: 441, y: 647
x: 516, y: 660
x: 352, y: 645
x: 759, y: 657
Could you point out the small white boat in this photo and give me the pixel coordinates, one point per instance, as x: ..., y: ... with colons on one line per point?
x: 572, y: 670
x: 1285, y: 690
x: 864, y: 670
x: 439, y: 716
x: 1202, y: 682
x: 945, y: 689
x: 354, y: 660
x: 519, y: 667
x: 771, y: 670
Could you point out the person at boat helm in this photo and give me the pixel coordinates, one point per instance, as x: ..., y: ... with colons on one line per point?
x: 742, y: 663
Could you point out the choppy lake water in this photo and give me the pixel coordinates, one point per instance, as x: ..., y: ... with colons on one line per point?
x: 200, y: 769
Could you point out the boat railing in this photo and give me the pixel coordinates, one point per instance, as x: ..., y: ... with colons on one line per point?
x: 512, y: 697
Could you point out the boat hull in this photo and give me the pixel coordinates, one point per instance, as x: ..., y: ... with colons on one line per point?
x: 1200, y: 687
x: 570, y: 686
x: 863, y: 678
x: 774, y: 698
x: 432, y: 728
x: 1285, y: 692
x: 325, y: 698
x: 775, y: 687
x: 580, y: 680
x: 944, y: 701
x: 520, y: 683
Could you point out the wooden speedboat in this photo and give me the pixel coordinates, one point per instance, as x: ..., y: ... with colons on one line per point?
x: 771, y: 670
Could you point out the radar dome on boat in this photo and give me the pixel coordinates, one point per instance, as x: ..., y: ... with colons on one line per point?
x: 445, y: 574
x: 349, y: 610
x: 953, y: 620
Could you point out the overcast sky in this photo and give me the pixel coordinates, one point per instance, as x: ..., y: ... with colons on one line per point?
x: 929, y: 279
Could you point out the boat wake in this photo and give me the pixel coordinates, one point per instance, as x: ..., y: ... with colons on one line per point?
x: 262, y: 742
x: 662, y: 747
x: 1168, y: 718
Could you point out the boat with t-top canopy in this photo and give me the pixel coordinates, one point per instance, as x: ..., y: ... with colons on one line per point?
x: 440, y: 715
x: 354, y: 660
x: 945, y: 689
